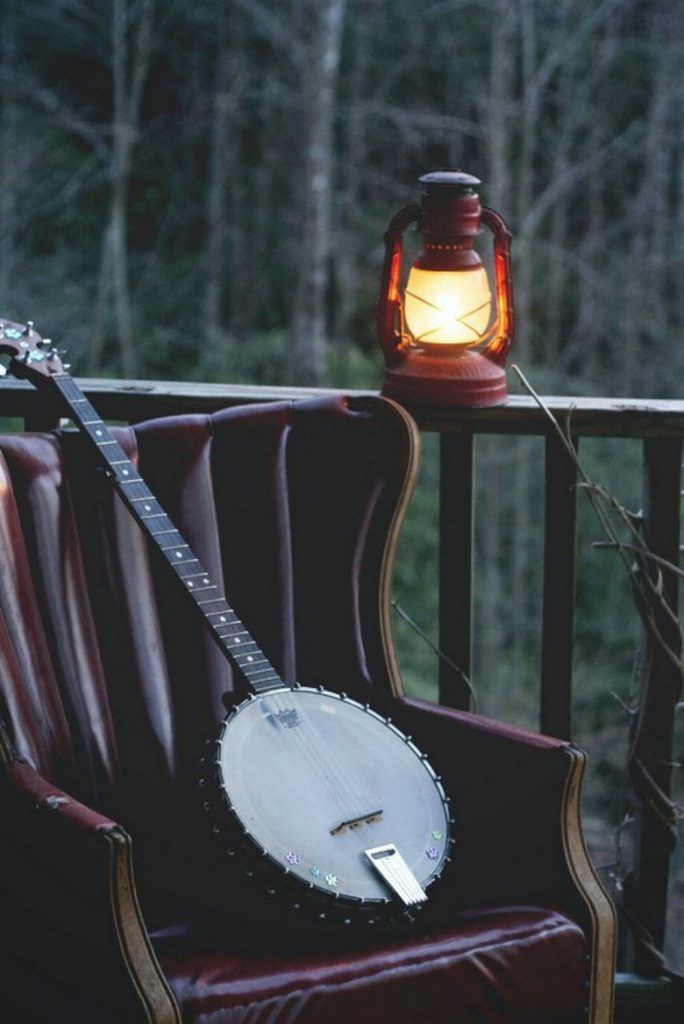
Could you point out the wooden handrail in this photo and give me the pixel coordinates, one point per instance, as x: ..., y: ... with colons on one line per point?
x: 590, y: 417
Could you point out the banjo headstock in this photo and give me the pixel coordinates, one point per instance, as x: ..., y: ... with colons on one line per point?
x: 33, y: 357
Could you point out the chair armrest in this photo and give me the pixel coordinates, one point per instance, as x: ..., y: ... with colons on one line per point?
x: 29, y: 789
x: 509, y: 793
x: 73, y: 941
x: 515, y: 798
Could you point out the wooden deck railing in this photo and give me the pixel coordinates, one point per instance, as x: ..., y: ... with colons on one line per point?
x: 660, y: 427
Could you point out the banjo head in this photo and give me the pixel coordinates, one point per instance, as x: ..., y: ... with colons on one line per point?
x: 314, y: 780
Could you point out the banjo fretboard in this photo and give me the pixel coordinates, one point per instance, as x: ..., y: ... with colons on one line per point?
x: 226, y: 627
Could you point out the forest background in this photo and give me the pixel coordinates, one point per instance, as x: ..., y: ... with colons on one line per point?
x: 199, y: 191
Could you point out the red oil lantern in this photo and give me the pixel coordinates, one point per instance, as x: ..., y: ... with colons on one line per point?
x: 442, y: 343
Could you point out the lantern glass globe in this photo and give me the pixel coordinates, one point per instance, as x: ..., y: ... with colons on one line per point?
x: 443, y: 307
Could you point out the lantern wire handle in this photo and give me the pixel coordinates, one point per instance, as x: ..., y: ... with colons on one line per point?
x: 393, y: 341
x: 503, y: 329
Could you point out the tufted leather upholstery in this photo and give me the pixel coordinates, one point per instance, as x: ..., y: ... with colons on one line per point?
x: 109, y: 688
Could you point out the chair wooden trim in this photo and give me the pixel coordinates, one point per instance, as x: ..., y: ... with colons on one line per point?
x: 599, y: 906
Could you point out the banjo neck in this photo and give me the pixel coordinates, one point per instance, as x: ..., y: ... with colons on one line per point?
x: 224, y: 624
x: 340, y: 752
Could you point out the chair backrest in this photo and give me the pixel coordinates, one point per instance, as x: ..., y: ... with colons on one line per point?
x: 109, y: 685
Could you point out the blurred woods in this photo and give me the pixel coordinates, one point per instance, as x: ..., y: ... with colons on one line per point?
x: 222, y: 172
x: 199, y: 191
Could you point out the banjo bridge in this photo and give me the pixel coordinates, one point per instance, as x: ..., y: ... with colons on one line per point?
x: 355, y: 823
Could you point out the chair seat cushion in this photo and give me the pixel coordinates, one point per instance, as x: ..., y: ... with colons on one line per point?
x: 505, y: 966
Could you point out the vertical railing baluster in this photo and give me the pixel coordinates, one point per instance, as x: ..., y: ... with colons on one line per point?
x: 455, y: 566
x: 558, y: 615
x: 42, y: 410
x: 652, y: 747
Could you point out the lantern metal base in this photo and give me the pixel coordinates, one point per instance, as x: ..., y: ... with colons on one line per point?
x: 455, y: 378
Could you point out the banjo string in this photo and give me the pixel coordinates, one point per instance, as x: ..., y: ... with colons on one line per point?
x: 309, y: 741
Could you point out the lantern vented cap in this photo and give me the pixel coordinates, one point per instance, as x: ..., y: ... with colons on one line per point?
x: 451, y: 179
x: 449, y: 214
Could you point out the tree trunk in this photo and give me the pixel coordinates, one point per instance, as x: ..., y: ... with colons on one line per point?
x: 224, y: 211
x: 348, y: 261
x: 525, y: 264
x: 500, y: 101
x: 8, y: 160
x: 319, y: 84
x: 646, y: 303
x: 216, y: 190
x: 591, y: 309
x: 127, y: 94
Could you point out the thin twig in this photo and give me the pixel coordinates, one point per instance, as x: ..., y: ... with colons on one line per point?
x: 629, y: 709
x: 639, y: 550
x: 602, y: 500
x: 440, y: 654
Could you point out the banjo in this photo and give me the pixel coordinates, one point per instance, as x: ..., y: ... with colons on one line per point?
x: 354, y: 818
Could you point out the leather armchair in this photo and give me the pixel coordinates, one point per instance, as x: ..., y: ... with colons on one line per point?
x: 109, y: 688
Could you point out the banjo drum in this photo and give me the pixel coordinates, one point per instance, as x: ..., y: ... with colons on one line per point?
x: 349, y: 809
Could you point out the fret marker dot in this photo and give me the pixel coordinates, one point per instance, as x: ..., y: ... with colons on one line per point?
x: 147, y: 507
x: 179, y: 554
x: 250, y: 658
x: 125, y: 472
x: 190, y: 583
x: 205, y: 580
x: 238, y: 640
x: 99, y: 433
x: 222, y: 618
